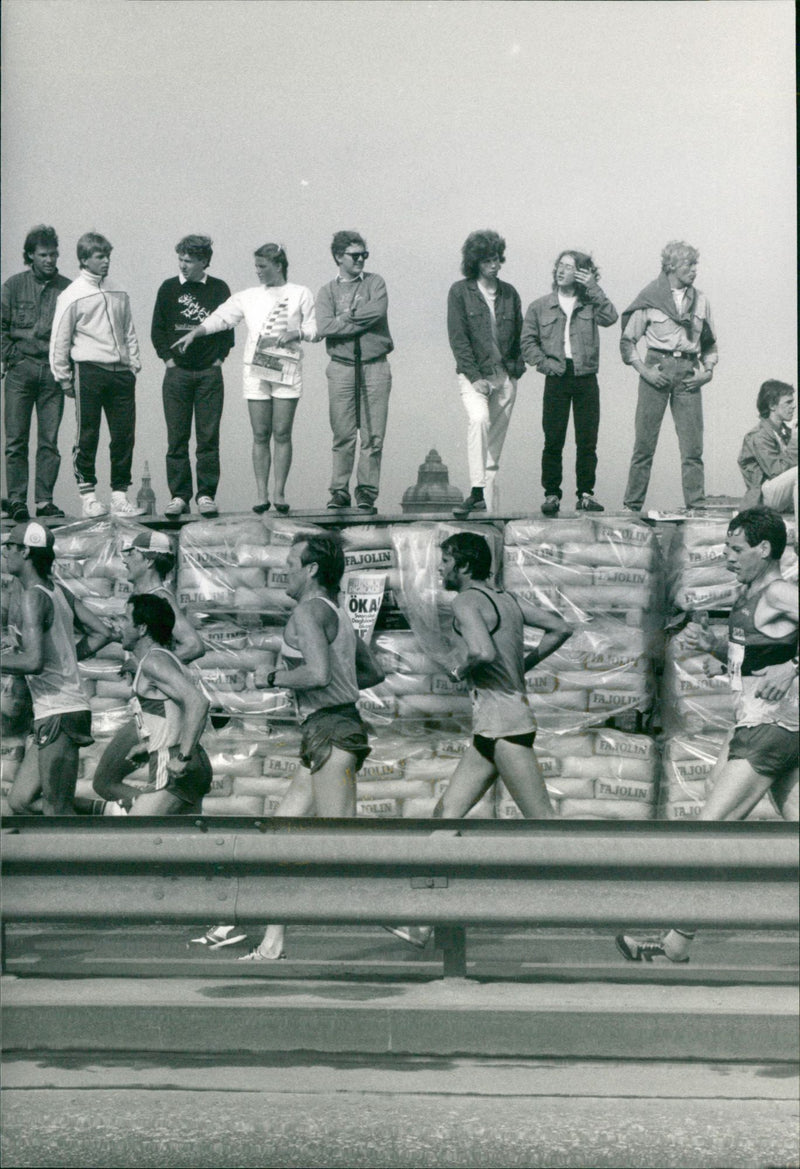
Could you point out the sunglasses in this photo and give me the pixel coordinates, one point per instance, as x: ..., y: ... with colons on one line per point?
x: 358, y: 255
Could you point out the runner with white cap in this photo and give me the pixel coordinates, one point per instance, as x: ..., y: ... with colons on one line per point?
x: 41, y: 619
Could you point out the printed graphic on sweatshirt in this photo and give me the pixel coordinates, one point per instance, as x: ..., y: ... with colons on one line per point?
x: 191, y: 310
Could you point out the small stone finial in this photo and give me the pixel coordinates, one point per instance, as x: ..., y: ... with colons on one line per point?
x: 432, y: 492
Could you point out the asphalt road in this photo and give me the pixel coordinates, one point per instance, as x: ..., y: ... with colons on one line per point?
x: 131, y: 1112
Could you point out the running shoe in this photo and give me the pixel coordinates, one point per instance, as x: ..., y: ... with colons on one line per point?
x: 18, y: 512
x: 176, y: 506
x: 206, y: 506
x: 49, y: 511
x: 257, y: 956
x: 121, y: 505
x: 587, y: 502
x: 551, y: 505
x: 93, y: 508
x: 417, y: 936
x: 338, y: 499
x: 643, y: 949
x: 220, y: 935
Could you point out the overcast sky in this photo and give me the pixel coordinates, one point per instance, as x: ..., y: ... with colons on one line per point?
x: 607, y: 126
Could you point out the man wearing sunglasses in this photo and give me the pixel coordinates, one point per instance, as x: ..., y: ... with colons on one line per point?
x: 352, y: 317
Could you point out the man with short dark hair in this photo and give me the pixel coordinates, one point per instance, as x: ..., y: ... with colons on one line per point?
x: 760, y: 756
x: 171, y: 711
x: 352, y: 317
x: 768, y: 458
x: 29, y: 303
x: 490, y: 626
x: 94, y: 356
x: 674, y: 319
x: 325, y: 663
x: 193, y: 383
x: 41, y: 620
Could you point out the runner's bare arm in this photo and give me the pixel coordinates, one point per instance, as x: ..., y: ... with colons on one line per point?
x: 556, y: 631
x: 187, y: 645
x: 313, y: 628
x: 368, y: 672
x: 34, y: 615
x: 96, y: 633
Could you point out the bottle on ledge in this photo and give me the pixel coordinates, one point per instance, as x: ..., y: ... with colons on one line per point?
x: 146, y: 497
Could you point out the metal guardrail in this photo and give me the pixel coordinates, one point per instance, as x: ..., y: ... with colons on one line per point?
x: 449, y: 874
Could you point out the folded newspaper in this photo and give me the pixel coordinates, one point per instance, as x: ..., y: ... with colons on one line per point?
x: 273, y: 363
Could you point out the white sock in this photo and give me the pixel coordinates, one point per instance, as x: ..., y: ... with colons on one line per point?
x: 676, y: 944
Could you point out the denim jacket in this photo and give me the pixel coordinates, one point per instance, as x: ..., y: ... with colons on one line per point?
x: 469, y: 327
x: 543, y: 332
x: 27, y: 316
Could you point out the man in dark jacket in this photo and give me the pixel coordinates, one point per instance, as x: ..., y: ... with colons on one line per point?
x: 768, y: 458
x: 192, y: 380
x: 560, y: 340
x: 484, y: 320
x: 29, y: 302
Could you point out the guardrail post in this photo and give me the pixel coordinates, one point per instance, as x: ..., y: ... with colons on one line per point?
x: 452, y: 941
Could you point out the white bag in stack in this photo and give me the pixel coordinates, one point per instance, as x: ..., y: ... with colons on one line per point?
x: 697, y: 577
x: 695, y: 689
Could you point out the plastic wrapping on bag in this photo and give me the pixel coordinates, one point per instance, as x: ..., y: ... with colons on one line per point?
x: 237, y: 564
x: 695, y: 689
x: 697, y: 577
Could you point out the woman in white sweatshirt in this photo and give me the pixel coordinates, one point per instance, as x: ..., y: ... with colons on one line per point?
x: 279, y: 315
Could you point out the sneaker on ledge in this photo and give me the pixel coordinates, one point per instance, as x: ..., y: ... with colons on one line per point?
x: 551, y: 505
x: 587, y: 502
x: 366, y: 505
x: 92, y: 508
x: 206, y: 506
x: 121, y: 505
x: 18, y: 511
x: 176, y: 506
x: 643, y: 949
x: 49, y: 511
x: 338, y: 499
x: 472, y: 503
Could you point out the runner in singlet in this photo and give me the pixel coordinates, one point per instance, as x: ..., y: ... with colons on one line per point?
x: 761, y: 754
x: 490, y: 626
x: 170, y: 712
x: 325, y: 663
x: 149, y: 560
x: 42, y: 621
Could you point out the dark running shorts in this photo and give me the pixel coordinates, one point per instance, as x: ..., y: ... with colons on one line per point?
x: 770, y: 750
x: 485, y: 746
x: 195, y: 781
x: 75, y: 724
x: 333, y: 726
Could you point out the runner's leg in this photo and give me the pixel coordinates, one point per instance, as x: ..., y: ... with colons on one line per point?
x: 520, y: 772
x: 471, y: 779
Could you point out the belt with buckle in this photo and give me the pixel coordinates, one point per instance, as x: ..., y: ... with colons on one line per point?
x: 682, y: 353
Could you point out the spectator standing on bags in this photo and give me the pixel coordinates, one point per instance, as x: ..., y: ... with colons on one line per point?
x: 768, y: 459
x: 560, y: 340
x: 94, y: 356
x: 760, y: 756
x: 352, y: 317
x: 193, y: 385
x: 674, y: 318
x: 484, y: 321
x: 279, y: 315
x: 29, y: 303
x: 42, y: 620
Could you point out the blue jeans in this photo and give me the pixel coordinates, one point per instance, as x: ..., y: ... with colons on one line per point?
x: 581, y: 393
x: 376, y: 385
x: 687, y: 414
x: 187, y: 393
x: 29, y: 385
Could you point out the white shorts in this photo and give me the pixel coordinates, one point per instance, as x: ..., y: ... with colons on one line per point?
x: 258, y: 390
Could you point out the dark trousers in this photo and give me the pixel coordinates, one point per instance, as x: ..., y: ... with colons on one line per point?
x: 582, y: 393
x: 30, y: 385
x: 98, y: 391
x: 187, y: 393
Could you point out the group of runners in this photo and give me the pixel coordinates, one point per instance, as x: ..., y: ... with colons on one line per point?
x: 326, y: 664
